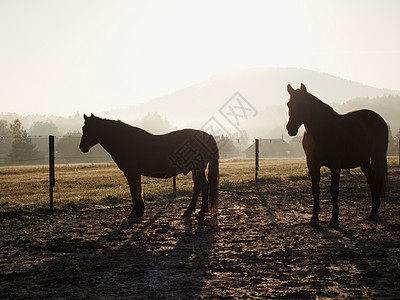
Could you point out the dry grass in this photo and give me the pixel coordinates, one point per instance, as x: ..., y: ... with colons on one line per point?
x: 25, y: 190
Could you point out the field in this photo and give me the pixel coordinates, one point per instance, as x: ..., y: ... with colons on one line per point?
x: 259, y: 246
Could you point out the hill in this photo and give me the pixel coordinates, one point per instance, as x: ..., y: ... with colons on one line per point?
x: 263, y: 88
x: 262, y: 91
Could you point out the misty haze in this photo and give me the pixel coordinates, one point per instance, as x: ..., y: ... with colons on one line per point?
x: 193, y: 107
x: 179, y: 149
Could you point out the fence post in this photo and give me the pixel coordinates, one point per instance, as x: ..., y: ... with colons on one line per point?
x: 51, y: 169
x: 257, y: 152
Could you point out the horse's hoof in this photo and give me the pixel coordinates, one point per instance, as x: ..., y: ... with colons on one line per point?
x: 314, y: 222
x: 333, y: 224
x: 134, y: 219
x: 187, y: 215
x: 201, y: 215
x: 373, y: 216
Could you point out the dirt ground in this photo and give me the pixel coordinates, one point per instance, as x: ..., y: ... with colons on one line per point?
x: 260, y: 246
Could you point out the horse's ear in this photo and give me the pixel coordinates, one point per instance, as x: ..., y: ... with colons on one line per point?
x: 85, y: 117
x: 303, y: 88
x: 290, y: 89
x: 92, y: 115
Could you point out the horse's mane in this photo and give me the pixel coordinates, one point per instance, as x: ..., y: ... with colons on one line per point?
x: 322, y: 105
x: 117, y: 124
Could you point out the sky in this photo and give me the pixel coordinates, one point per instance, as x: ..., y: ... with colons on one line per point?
x: 63, y: 57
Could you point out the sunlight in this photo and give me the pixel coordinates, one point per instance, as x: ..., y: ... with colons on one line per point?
x: 225, y: 39
x: 135, y: 51
x: 189, y: 42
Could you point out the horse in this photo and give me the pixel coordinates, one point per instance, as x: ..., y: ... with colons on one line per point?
x: 355, y: 139
x: 138, y: 152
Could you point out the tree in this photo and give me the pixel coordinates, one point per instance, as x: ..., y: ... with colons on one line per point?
x: 22, y: 149
x: 5, y: 140
x: 226, y: 146
x: 154, y: 123
x: 392, y: 144
x: 39, y: 133
x: 397, y: 141
x: 67, y: 151
x: 43, y: 128
x: 4, y: 130
x: 67, y: 148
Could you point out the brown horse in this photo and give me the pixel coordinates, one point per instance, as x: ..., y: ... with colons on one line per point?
x: 137, y: 153
x: 356, y: 139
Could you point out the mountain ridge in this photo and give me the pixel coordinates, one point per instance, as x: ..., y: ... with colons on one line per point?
x: 262, y: 87
x: 201, y: 104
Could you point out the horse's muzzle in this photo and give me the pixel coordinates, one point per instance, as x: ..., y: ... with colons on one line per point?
x: 83, y: 148
x: 292, y: 130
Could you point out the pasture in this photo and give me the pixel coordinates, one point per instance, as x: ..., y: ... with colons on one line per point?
x: 259, y: 246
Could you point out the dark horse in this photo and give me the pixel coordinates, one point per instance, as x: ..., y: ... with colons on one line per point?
x: 356, y: 139
x: 137, y: 152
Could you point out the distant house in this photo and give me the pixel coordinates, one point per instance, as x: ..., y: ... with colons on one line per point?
x: 270, y: 148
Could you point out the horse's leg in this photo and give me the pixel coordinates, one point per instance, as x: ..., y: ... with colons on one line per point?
x: 196, y: 192
x: 136, y: 193
x: 315, y: 178
x: 204, y: 193
x: 370, y: 175
x: 335, y: 177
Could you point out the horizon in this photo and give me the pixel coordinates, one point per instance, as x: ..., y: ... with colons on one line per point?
x: 200, y: 83
x: 93, y: 56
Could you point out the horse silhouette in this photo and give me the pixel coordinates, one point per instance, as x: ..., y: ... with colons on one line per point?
x: 138, y: 152
x: 355, y: 139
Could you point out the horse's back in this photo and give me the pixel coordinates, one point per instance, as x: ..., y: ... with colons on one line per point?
x: 169, y: 154
x: 368, y: 118
x: 352, y: 139
x: 180, y: 138
x: 366, y: 125
x: 365, y: 132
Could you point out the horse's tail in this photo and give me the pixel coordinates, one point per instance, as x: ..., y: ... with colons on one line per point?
x: 385, y: 180
x: 379, y: 164
x: 213, y: 179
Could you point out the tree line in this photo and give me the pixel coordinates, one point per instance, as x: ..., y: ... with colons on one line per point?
x: 21, y: 147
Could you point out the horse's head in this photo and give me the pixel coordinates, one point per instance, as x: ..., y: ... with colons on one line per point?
x: 90, y: 135
x: 298, y: 110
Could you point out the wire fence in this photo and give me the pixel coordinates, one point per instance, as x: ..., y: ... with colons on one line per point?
x: 27, y: 188
x: 34, y: 150
x: 28, y: 174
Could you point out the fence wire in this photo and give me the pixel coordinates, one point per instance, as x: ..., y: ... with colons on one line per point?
x: 24, y: 179
x: 34, y: 150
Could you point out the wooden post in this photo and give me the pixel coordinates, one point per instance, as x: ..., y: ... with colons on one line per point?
x: 174, y: 187
x: 256, y: 154
x: 52, y: 180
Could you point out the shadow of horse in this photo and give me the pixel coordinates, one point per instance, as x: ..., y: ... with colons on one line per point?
x: 365, y: 260
x: 154, y: 259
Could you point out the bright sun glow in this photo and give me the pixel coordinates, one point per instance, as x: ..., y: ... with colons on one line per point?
x: 195, y: 42
x: 85, y: 53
